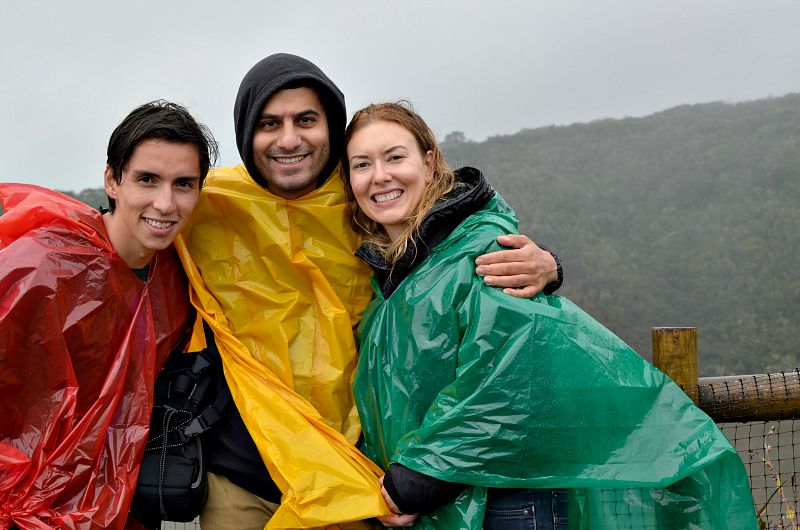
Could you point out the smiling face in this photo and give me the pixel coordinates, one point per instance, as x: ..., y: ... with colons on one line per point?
x: 291, y: 144
x: 388, y: 174
x: 158, y: 189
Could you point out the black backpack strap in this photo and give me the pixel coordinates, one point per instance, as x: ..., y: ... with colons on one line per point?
x: 209, y: 415
x: 213, y: 412
x: 185, y: 382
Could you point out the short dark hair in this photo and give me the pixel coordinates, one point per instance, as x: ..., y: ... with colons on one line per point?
x: 161, y: 120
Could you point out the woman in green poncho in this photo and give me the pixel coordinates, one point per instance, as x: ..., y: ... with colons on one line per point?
x: 482, y: 407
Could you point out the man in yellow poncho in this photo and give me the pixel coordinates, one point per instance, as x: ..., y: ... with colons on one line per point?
x: 270, y: 257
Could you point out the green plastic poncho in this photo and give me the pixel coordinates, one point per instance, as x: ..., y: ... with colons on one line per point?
x: 464, y: 383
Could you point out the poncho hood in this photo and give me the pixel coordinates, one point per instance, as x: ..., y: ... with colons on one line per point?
x: 270, y: 75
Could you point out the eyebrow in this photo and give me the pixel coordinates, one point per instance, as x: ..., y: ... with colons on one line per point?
x: 385, y: 151
x: 147, y: 173
x: 302, y: 113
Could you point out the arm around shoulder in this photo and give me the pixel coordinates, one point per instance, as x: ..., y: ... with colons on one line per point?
x: 525, y: 270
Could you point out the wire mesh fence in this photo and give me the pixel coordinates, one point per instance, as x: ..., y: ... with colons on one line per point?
x: 770, y: 451
x: 760, y: 415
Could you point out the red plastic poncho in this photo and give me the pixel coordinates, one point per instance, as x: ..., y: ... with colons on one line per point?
x: 81, y: 340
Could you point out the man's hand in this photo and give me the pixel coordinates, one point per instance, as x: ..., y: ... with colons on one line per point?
x: 396, y: 518
x: 523, y: 271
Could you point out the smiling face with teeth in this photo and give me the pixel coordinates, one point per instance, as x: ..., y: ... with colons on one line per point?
x: 389, y: 173
x: 159, y: 188
x: 291, y: 144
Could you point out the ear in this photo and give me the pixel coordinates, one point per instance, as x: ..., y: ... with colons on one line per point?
x: 428, y: 167
x: 109, y: 183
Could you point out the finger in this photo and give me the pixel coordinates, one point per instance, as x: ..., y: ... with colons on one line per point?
x: 404, y: 519
x: 511, y: 268
x: 388, y: 520
x: 407, y: 520
x: 397, y: 520
x: 524, y: 292
x: 515, y: 281
x: 504, y: 256
x: 514, y: 240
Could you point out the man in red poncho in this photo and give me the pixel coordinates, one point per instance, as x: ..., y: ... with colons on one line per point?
x: 91, y: 305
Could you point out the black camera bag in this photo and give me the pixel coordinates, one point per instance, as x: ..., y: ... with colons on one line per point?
x: 188, y: 401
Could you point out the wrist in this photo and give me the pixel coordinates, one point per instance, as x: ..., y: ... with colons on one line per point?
x: 553, y: 286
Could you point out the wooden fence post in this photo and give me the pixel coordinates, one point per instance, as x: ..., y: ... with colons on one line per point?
x: 675, y: 354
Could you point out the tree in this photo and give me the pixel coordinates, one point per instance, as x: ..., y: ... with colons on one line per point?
x: 455, y: 137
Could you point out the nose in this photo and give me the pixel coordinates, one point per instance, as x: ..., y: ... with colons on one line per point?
x: 380, y: 174
x: 164, y: 201
x: 289, y: 138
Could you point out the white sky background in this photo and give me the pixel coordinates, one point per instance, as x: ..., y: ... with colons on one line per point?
x: 71, y: 70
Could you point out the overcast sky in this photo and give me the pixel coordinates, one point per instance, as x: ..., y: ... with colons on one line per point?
x: 70, y: 71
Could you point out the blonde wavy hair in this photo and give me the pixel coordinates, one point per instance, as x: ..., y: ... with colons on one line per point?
x: 441, y: 183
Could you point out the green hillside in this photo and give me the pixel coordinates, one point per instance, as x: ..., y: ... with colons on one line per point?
x: 94, y: 197
x: 688, y: 217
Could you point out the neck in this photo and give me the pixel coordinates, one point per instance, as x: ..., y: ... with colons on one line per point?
x: 133, y: 257
x: 394, y: 232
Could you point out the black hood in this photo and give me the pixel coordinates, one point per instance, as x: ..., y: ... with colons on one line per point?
x: 267, y: 77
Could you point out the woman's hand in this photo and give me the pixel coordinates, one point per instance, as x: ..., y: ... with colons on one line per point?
x: 524, y: 271
x: 396, y: 518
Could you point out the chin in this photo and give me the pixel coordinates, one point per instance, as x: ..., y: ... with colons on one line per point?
x: 155, y: 246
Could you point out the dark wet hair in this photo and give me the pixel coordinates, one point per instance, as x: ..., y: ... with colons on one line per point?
x: 160, y: 120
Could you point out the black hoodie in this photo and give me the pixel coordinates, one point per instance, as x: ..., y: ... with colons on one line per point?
x: 277, y: 72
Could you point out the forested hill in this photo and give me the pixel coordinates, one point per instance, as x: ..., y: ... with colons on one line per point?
x: 688, y: 217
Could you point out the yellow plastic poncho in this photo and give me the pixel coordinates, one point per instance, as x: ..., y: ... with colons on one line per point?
x: 278, y: 283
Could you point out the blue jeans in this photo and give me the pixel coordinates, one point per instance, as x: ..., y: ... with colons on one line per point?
x: 521, y: 509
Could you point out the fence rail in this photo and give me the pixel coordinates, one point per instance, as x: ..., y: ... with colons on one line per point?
x: 747, y: 398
